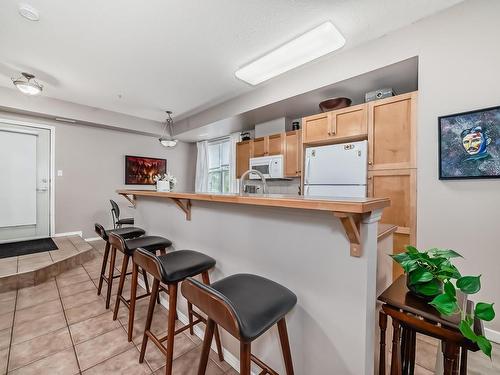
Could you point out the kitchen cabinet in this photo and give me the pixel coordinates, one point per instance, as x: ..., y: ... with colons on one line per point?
x: 392, y: 132
x: 275, y: 144
x: 342, y: 125
x: 259, y: 147
x: 244, y: 151
x: 293, y: 153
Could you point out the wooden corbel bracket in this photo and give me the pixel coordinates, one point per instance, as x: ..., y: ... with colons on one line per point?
x: 184, y: 205
x: 351, y: 224
x: 130, y: 198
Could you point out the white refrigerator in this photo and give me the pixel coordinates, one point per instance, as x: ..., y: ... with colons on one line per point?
x: 336, y: 170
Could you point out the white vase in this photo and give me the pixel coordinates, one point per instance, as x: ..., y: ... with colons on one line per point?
x: 162, y: 185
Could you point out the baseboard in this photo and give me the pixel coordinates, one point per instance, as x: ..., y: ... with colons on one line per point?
x: 92, y: 239
x: 492, y: 335
x: 198, y: 331
x: 77, y: 233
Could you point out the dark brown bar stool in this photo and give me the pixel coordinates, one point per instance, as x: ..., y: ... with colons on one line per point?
x: 128, y: 232
x: 151, y: 244
x: 170, y: 269
x: 246, y: 306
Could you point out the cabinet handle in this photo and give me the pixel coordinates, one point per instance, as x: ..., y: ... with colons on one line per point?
x: 329, y: 133
x: 370, y: 162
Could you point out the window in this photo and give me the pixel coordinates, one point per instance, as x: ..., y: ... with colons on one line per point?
x: 218, y: 166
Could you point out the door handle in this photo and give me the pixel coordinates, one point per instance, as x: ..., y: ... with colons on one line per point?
x: 43, y: 189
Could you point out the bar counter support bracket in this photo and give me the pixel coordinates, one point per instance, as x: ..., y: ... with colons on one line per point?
x: 184, y: 205
x: 351, y: 224
x: 130, y: 197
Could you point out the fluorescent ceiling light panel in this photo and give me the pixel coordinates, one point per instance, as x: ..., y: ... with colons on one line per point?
x: 315, y: 43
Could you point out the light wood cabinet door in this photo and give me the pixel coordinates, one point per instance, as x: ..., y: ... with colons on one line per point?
x: 392, y: 132
x: 316, y: 128
x: 275, y: 144
x: 244, y: 151
x: 259, y: 147
x: 349, y: 122
x: 293, y: 153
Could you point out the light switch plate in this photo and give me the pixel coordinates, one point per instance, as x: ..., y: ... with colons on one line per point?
x: 59, y: 172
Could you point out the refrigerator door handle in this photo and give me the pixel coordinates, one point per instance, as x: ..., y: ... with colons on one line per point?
x: 308, y: 169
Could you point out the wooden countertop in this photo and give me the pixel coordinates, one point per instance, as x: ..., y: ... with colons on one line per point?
x: 340, y: 205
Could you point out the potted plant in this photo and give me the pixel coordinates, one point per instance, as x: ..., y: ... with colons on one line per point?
x: 165, y: 182
x: 431, y: 275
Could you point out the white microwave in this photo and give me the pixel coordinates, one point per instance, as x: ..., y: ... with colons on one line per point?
x: 269, y: 166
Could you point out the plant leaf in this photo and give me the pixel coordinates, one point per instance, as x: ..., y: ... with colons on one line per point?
x: 430, y: 288
x: 445, y: 253
x: 467, y: 331
x: 449, y: 271
x: 469, y: 284
x: 399, y: 258
x: 484, y: 311
x: 449, y: 289
x: 420, y: 275
x: 445, y: 304
x: 484, y: 344
x: 411, y: 249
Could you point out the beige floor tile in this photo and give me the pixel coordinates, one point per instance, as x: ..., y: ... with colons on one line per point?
x: 37, y: 294
x: 426, y: 355
x: 126, y: 363
x: 60, y: 363
x: 38, y: 311
x: 419, y: 370
x: 5, y: 335
x: 38, y: 348
x: 7, y: 306
x: 187, y: 364
x: 4, y: 357
x: 29, y: 330
x: 77, y: 288
x: 65, y: 281
x: 6, y: 320
x: 8, y: 266
x: 5, y: 296
x: 84, y: 312
x: 81, y: 298
x: 101, y: 348
x: 57, y: 255
x: 93, y: 327
x: 63, y: 243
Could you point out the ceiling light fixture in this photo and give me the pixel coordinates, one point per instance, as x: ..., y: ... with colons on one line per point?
x: 169, y: 141
x: 27, y: 84
x: 313, y: 44
x: 28, y: 12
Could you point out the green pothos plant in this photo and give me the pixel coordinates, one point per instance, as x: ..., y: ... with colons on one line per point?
x: 431, y: 275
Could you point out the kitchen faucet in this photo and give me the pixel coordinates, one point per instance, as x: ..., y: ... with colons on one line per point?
x: 245, y: 174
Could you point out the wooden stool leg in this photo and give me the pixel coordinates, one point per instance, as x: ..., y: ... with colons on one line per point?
x: 190, y: 317
x: 382, y: 323
x: 245, y: 355
x: 149, y: 319
x: 121, y: 284
x: 146, y: 281
x: 206, y: 280
x: 133, y: 297
x: 396, y: 349
x: 172, y: 308
x: 205, y: 351
x: 103, y: 267
x: 110, y: 275
x: 285, y: 346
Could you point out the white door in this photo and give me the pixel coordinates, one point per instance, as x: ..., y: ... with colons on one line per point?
x: 344, y: 191
x: 24, y: 182
x: 342, y: 164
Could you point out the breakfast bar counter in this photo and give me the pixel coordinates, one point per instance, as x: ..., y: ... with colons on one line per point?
x: 323, y: 249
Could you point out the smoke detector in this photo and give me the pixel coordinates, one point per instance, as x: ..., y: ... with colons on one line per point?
x: 28, y: 12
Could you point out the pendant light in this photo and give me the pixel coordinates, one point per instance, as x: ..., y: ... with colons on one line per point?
x: 169, y: 141
x: 27, y: 84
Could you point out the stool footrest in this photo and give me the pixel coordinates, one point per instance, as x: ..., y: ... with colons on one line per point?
x: 127, y: 301
x: 262, y: 365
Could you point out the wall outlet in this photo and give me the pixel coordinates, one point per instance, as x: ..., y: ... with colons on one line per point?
x: 59, y: 172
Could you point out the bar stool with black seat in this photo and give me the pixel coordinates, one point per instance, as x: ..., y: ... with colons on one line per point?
x: 171, y: 269
x: 127, y: 233
x: 151, y: 244
x: 246, y: 306
x: 115, y: 213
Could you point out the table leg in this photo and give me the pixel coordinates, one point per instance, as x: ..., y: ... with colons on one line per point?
x: 413, y: 348
x: 450, y: 357
x: 396, y: 368
x: 463, y: 362
x: 382, y: 323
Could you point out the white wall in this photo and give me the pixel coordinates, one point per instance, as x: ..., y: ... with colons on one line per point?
x: 93, y: 164
x: 459, y: 62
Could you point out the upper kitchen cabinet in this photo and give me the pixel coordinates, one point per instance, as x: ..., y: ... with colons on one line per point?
x: 293, y: 153
x: 259, y: 147
x: 392, y: 132
x: 344, y: 124
x: 244, y: 151
x: 268, y: 145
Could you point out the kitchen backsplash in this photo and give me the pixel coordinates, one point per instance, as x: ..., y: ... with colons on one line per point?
x: 284, y: 186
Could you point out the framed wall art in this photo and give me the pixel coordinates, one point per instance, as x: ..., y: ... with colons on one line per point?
x: 142, y: 170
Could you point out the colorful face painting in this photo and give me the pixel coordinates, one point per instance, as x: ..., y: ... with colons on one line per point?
x: 469, y: 145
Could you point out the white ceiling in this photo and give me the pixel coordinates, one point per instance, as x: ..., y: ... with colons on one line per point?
x: 172, y: 54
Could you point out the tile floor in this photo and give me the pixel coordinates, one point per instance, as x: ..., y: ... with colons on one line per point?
x: 61, y: 327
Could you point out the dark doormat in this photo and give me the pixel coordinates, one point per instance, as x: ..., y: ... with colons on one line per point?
x: 13, y: 249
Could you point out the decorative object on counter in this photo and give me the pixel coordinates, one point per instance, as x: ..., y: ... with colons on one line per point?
x: 295, y: 125
x: 142, y: 170
x: 245, y: 136
x: 379, y: 94
x: 334, y: 103
x: 165, y: 182
x: 429, y: 276
x: 168, y: 141
x: 469, y: 144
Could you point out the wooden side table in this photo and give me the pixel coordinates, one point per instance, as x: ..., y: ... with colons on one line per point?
x: 410, y: 315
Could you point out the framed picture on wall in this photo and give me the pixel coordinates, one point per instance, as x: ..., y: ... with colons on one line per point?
x: 469, y: 144
x: 141, y: 170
